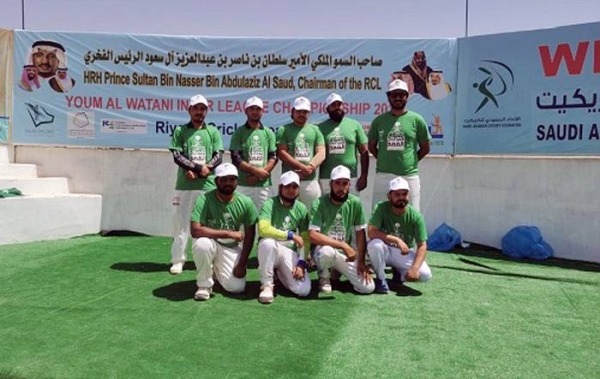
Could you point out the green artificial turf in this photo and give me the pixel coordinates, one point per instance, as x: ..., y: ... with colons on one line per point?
x: 106, y: 307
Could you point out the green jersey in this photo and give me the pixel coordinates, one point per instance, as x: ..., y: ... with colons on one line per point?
x: 342, y: 140
x: 410, y: 226
x: 398, y: 141
x: 301, y: 143
x: 198, y: 145
x: 255, y: 145
x: 216, y: 214
x: 337, y: 221
x: 294, y: 219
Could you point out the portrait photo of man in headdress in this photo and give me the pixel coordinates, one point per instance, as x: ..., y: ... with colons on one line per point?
x: 419, y: 72
x: 30, y: 80
x: 47, y: 60
x: 437, y: 87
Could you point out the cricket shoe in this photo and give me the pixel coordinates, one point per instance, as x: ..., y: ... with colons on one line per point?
x: 202, y: 294
x: 266, y: 295
x: 176, y: 268
x: 381, y: 286
x: 324, y: 285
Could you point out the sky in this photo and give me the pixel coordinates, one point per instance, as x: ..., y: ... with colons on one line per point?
x: 299, y: 18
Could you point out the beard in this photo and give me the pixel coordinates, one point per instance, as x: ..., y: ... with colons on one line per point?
x: 290, y: 200
x: 337, y: 115
x: 400, y: 204
x: 226, y: 190
x: 335, y: 197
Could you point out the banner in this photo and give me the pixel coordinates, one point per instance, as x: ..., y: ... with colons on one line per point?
x: 530, y: 92
x: 6, y: 83
x: 132, y: 90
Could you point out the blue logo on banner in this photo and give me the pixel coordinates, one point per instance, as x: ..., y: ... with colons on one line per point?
x: 499, y: 77
x: 39, y: 115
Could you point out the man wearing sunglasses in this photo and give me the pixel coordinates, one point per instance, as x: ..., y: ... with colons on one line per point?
x: 398, y: 139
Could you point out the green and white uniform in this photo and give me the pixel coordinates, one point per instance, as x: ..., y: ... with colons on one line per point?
x: 410, y: 227
x: 221, y: 255
x: 339, y: 222
x: 255, y: 145
x: 342, y: 140
x: 301, y: 143
x: 275, y: 251
x: 198, y: 145
x: 398, y: 139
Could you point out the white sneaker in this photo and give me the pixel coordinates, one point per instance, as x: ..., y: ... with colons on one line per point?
x: 202, y: 294
x: 266, y: 295
x: 324, y: 285
x: 176, y: 268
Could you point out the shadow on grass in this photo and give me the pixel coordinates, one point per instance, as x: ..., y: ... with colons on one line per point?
x: 524, y: 276
x: 11, y: 375
x: 477, y: 250
x: 182, y: 291
x: 148, y: 266
x: 164, y: 267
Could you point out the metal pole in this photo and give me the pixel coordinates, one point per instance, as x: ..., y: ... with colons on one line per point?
x: 23, y: 14
x: 467, y: 18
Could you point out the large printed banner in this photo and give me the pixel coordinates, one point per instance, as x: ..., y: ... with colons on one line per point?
x: 132, y: 90
x: 531, y: 92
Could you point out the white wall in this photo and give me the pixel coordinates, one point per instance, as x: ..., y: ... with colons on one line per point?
x: 482, y: 197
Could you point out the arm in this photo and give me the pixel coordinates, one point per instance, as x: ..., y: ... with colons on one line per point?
x: 361, y: 247
x: 361, y: 182
x: 286, y: 157
x: 319, y: 156
x: 375, y: 233
x: 413, y: 274
x: 216, y: 160
x: 186, y: 164
x: 239, y: 271
x: 424, y: 148
x: 373, y: 148
x: 317, y: 238
x: 198, y: 230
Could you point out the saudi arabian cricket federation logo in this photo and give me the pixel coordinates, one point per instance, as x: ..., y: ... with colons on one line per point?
x: 39, y: 115
x: 498, y: 80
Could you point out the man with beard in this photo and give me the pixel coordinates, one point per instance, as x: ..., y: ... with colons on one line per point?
x: 254, y: 153
x: 333, y: 219
x: 45, y: 56
x: 419, y: 72
x: 29, y: 79
x: 399, y: 139
x: 197, y: 149
x: 283, y: 234
x: 217, y: 219
x: 301, y: 148
x: 395, y: 229
x: 344, y: 136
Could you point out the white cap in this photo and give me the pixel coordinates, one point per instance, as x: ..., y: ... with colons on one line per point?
x: 332, y: 99
x: 340, y: 172
x: 302, y: 104
x: 398, y: 84
x: 253, y: 101
x: 226, y: 169
x: 398, y: 183
x: 198, y: 99
x: 288, y: 178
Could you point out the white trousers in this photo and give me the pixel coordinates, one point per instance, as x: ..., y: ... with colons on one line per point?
x: 326, y: 257
x: 382, y: 255
x: 272, y: 256
x: 258, y: 194
x: 211, y: 259
x: 325, y: 188
x: 184, y: 202
x: 310, y: 190
x: 382, y: 187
